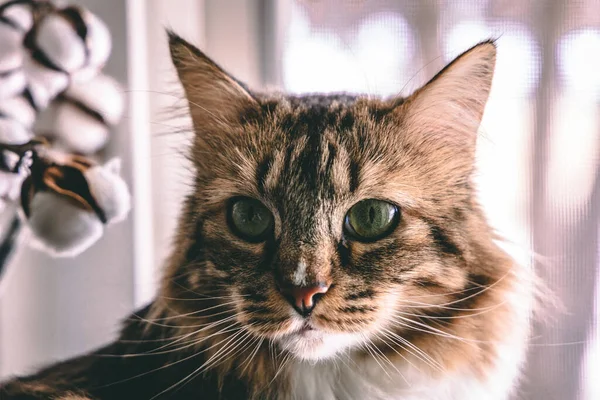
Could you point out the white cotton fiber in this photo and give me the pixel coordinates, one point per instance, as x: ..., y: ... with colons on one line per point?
x: 9, y: 159
x: 10, y: 184
x: 98, y: 39
x: 18, y: 109
x: 11, y: 84
x: 10, y: 187
x: 77, y: 130
x: 60, y: 227
x: 44, y: 83
x: 58, y: 40
x: 101, y: 94
x: 20, y: 16
x: 12, y: 132
x: 45, y: 121
x: 84, y: 74
x: 109, y: 190
x: 11, y: 48
x: 12, y: 79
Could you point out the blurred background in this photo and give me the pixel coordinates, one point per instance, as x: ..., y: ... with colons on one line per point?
x: 538, y: 152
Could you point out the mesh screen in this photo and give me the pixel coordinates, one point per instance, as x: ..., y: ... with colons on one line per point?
x: 538, y: 150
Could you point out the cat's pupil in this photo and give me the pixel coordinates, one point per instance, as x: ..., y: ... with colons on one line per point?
x: 372, y: 215
x: 251, y: 214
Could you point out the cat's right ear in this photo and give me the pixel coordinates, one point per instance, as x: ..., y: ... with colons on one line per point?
x: 449, y: 108
x: 216, y: 100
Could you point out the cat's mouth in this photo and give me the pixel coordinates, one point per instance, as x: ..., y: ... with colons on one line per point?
x: 308, y: 335
x: 307, y: 327
x: 309, y: 342
x: 306, y: 331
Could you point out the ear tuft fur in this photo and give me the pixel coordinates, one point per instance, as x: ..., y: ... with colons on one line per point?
x: 216, y: 100
x: 451, y: 105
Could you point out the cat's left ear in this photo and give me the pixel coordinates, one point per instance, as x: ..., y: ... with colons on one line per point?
x: 217, y: 101
x: 449, y: 108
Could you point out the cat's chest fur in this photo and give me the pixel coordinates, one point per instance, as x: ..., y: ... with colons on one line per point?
x: 343, y: 380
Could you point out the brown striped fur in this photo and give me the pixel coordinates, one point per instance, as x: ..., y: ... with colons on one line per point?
x: 438, y: 283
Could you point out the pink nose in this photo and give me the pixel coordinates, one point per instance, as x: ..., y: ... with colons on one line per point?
x: 304, y: 298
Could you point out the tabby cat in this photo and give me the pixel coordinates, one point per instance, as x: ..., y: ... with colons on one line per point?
x: 332, y: 248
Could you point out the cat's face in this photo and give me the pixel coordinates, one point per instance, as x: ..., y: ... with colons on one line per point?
x: 325, y: 223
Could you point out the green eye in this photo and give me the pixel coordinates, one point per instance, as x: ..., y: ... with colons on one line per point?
x: 250, y: 219
x: 370, y: 220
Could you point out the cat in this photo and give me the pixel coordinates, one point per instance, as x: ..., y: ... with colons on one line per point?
x: 332, y: 248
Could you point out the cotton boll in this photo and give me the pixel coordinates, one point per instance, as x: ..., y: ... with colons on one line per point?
x: 10, y: 184
x: 9, y: 160
x: 101, y: 94
x: 84, y: 74
x: 19, y: 15
x: 5, y: 182
x: 66, y: 204
x: 76, y: 129
x: 56, y: 37
x: 18, y: 109
x: 12, y: 78
x: 12, y: 83
x: 60, y: 227
x: 109, y: 190
x: 44, y: 83
x: 12, y: 132
x: 44, y: 121
x: 11, y: 44
x: 73, y: 40
x: 98, y: 40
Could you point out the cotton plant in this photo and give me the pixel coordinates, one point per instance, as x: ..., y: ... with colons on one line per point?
x: 57, y: 110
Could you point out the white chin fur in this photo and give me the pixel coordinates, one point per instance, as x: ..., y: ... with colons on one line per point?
x: 317, y: 345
